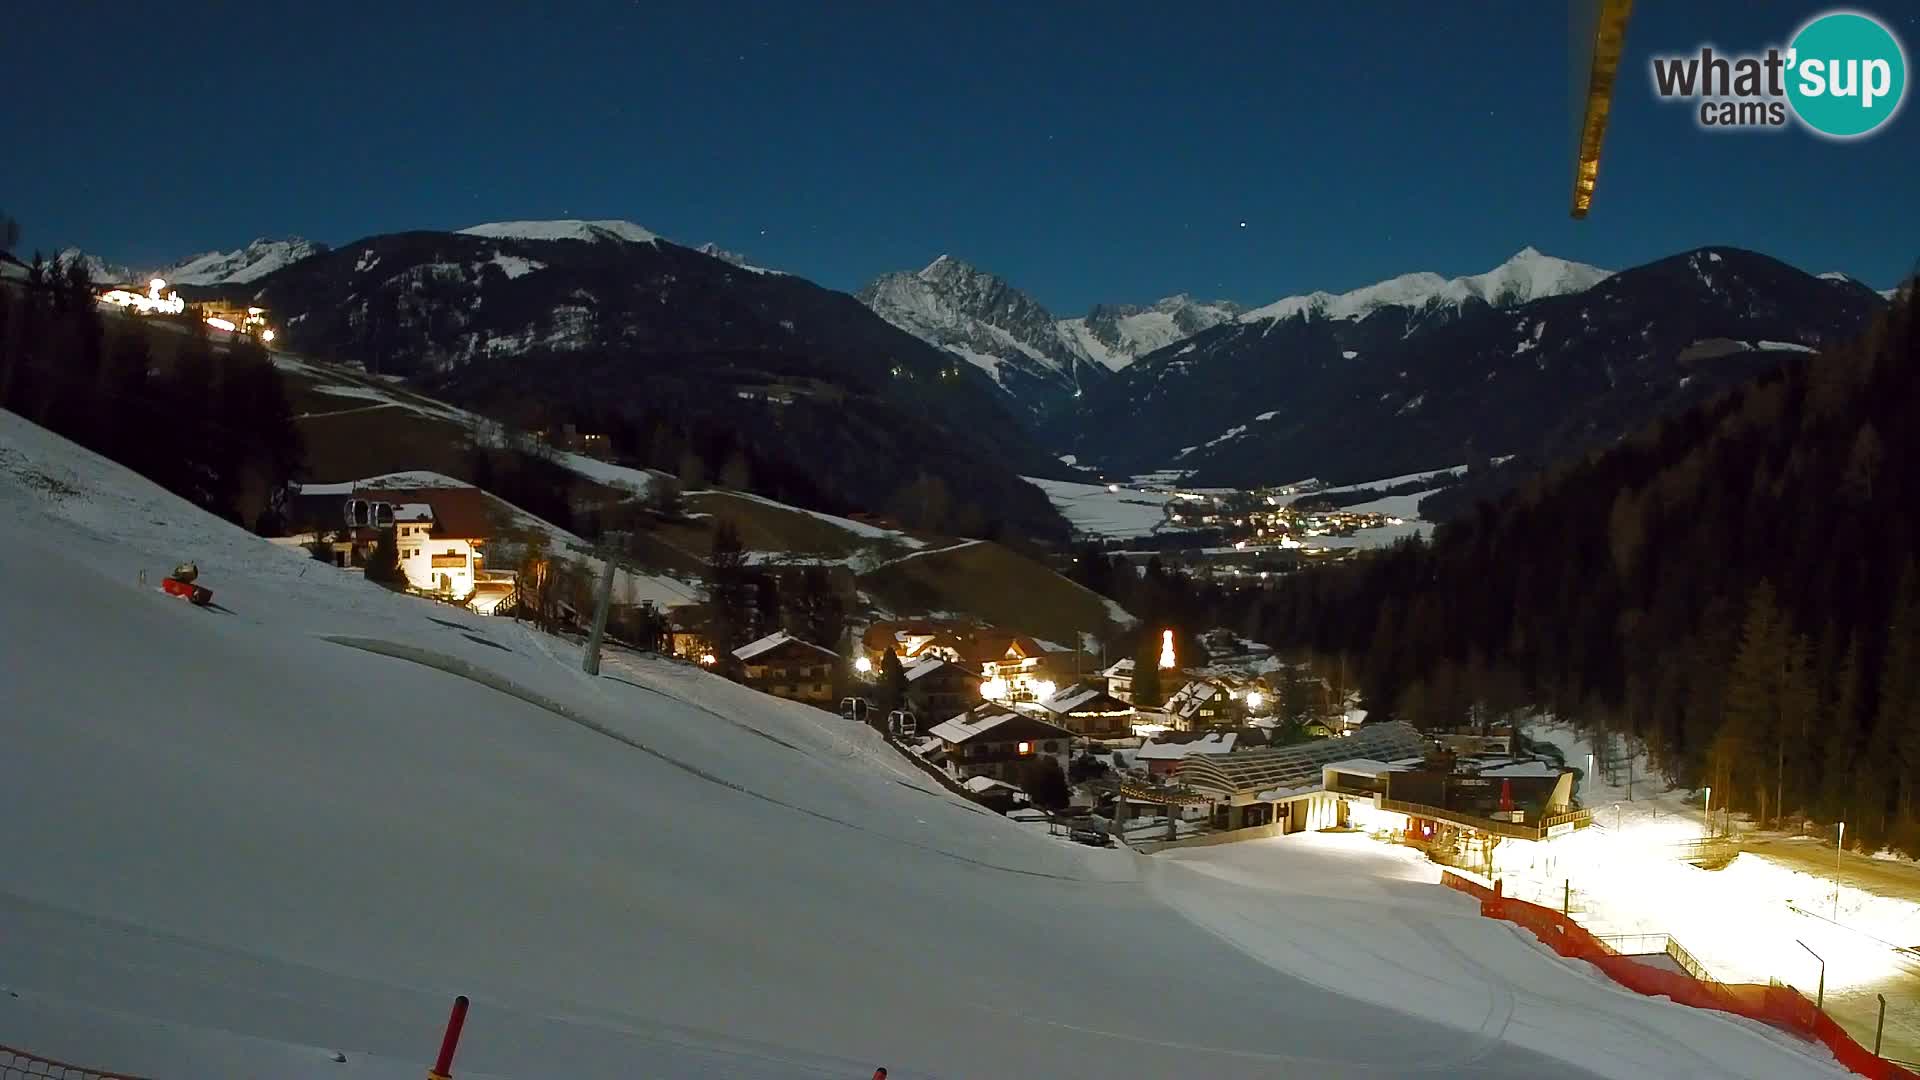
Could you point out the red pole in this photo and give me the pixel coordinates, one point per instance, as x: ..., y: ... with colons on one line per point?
x: 443, y: 1065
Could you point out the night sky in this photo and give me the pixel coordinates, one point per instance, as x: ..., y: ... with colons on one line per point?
x: 1086, y: 152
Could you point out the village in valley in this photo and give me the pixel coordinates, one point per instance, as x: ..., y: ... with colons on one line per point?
x: 1124, y: 733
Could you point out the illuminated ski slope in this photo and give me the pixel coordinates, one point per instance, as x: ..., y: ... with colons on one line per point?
x: 234, y: 847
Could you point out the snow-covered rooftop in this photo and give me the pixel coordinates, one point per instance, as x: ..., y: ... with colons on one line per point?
x: 1216, y: 742
x: 773, y: 641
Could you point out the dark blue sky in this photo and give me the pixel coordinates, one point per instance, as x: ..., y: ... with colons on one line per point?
x: 1086, y: 152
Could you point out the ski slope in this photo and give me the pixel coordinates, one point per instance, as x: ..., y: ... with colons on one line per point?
x: 236, y: 846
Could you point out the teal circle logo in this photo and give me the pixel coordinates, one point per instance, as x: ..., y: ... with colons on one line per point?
x: 1847, y: 74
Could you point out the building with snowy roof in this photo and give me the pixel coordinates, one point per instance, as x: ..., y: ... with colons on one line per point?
x: 789, y: 667
x: 1161, y: 758
x: 1087, y: 710
x: 938, y: 689
x: 995, y: 741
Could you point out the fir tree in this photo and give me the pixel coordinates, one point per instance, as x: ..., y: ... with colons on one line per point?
x: 1897, y: 723
x: 383, y: 566
x: 891, y: 688
x: 729, y: 593
x: 1147, y: 692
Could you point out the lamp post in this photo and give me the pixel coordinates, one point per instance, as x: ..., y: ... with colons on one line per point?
x: 1839, y: 846
x: 1820, y: 996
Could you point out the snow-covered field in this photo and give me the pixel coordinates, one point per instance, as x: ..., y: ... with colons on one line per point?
x: 1754, y: 920
x: 1342, y: 910
x: 1097, y: 511
x: 236, y: 845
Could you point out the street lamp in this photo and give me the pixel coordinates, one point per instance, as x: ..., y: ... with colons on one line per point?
x: 863, y: 665
x: 1254, y: 699
x: 1821, y: 994
x: 1839, y: 846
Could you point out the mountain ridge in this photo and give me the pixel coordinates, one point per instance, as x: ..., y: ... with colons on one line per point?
x: 1402, y: 386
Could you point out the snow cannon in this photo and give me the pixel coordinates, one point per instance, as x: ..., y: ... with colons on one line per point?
x: 180, y: 583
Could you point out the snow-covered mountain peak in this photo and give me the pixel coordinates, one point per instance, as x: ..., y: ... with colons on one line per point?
x: 250, y: 263
x: 99, y: 271
x: 944, y: 267
x: 592, y: 232
x: 1528, y: 275
x: 713, y: 250
x: 1117, y: 334
x: 987, y: 322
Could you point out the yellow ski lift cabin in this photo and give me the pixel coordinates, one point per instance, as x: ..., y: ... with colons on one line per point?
x: 1599, y: 29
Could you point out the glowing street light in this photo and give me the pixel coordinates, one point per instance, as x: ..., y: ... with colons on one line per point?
x: 1166, y: 648
x: 994, y: 689
x: 1255, y: 699
x: 1043, y: 689
x: 1706, y: 811
x: 863, y: 665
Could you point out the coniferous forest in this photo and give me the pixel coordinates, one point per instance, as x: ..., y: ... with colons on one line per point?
x: 209, y: 421
x: 1737, y: 586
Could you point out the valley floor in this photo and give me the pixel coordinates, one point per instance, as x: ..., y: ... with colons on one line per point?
x: 235, y: 846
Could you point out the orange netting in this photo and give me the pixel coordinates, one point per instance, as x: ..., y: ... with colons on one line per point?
x: 1780, y: 1006
x: 20, y: 1065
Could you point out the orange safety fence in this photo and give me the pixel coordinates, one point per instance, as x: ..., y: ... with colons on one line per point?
x: 20, y: 1065
x: 1780, y: 1006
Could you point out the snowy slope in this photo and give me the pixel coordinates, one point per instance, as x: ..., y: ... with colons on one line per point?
x: 1529, y: 275
x: 235, y: 844
x: 256, y: 260
x: 592, y: 232
x: 1116, y: 335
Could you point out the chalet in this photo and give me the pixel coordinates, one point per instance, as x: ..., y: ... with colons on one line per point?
x: 1016, y: 667
x: 994, y: 741
x: 1087, y: 710
x: 910, y: 639
x: 787, y: 667
x: 1198, y: 705
x: 996, y: 794
x: 440, y: 533
x: 687, y: 633
x: 938, y: 689
x: 1160, y: 758
x: 1120, y: 680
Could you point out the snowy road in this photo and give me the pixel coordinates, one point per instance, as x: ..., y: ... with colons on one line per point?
x: 233, y: 847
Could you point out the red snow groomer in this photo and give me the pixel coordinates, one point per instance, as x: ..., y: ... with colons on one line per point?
x: 181, y: 583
